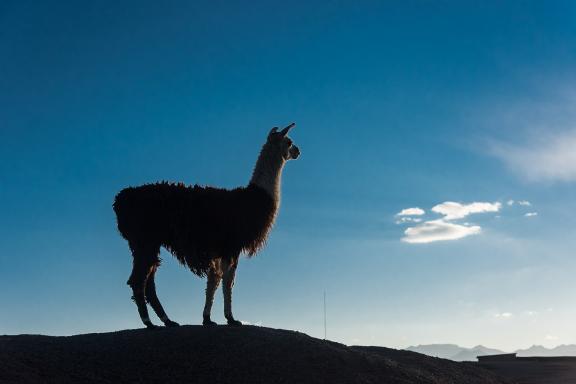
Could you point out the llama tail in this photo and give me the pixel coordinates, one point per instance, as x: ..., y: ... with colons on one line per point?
x: 122, y: 208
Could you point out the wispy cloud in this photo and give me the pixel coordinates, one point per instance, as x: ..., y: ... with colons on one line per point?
x: 524, y: 203
x: 403, y: 220
x: 534, y: 136
x: 548, y: 157
x: 438, y: 230
x: 503, y: 315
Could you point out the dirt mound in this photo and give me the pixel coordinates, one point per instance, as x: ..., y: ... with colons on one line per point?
x: 195, y: 354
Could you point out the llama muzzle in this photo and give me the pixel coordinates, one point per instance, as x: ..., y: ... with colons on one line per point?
x: 294, y: 152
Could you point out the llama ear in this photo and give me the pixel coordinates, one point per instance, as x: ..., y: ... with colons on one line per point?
x: 284, y: 132
x: 272, y: 131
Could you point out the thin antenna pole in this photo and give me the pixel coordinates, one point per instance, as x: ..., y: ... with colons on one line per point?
x: 324, y: 315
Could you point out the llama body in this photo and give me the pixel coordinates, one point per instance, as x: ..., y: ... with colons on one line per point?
x: 195, y: 222
x: 205, y: 228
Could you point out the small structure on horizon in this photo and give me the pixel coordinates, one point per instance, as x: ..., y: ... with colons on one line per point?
x: 505, y: 358
x: 533, y: 369
x: 496, y: 358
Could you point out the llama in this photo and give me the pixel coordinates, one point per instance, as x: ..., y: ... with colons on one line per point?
x: 205, y: 228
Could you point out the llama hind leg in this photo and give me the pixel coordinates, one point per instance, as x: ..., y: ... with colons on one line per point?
x: 214, y: 277
x: 229, y: 269
x: 152, y: 298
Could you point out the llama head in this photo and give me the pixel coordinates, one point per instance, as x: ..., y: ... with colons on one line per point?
x: 281, y: 143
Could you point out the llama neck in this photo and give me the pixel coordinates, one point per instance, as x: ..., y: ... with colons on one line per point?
x: 268, y: 172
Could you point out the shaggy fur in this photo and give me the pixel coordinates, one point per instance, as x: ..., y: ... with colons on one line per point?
x: 205, y: 228
x: 194, y: 223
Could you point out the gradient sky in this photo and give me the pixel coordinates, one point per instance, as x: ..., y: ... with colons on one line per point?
x: 398, y: 105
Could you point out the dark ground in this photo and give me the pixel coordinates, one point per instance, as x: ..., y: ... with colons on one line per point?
x: 195, y: 354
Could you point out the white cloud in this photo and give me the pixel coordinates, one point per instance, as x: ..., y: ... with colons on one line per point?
x: 438, y: 230
x: 443, y: 229
x: 524, y: 203
x: 531, y: 214
x: 503, y: 315
x: 551, y: 337
x: 411, y: 212
x: 452, y: 210
x: 550, y: 157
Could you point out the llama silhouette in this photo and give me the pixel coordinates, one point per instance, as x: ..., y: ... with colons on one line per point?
x: 205, y: 228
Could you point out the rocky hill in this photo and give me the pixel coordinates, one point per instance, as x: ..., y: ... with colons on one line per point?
x: 195, y: 354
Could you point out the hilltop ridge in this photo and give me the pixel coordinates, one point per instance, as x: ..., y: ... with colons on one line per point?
x: 195, y: 354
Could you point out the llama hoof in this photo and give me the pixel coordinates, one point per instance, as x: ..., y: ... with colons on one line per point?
x: 152, y: 326
x: 208, y: 323
x: 171, y: 324
x: 234, y: 323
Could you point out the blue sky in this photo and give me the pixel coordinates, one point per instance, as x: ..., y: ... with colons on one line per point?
x: 398, y: 105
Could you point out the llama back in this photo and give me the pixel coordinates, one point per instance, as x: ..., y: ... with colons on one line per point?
x: 222, y: 221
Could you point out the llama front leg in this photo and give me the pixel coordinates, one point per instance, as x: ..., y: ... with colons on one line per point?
x: 229, y: 273
x: 152, y: 298
x: 214, y: 277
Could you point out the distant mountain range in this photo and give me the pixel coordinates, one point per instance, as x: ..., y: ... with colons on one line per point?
x: 457, y: 353
x: 538, y: 350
